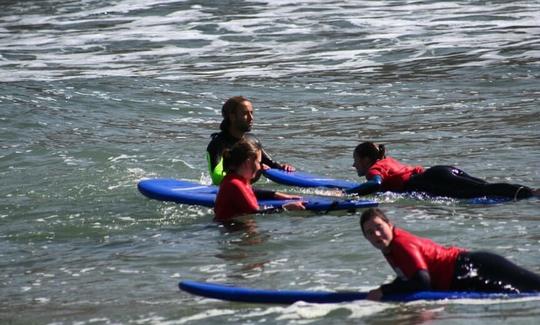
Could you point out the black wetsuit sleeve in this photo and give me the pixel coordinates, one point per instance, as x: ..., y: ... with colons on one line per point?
x: 270, y: 210
x: 421, y: 281
x: 267, y: 160
x: 264, y: 194
x: 268, y: 195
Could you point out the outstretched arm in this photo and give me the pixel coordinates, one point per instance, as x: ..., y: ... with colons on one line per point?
x: 296, y: 204
x: 268, y: 161
x: 371, y: 186
x: 421, y: 281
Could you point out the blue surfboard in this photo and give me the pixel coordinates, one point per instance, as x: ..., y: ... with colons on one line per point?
x: 302, y: 179
x: 264, y: 296
x: 185, y: 192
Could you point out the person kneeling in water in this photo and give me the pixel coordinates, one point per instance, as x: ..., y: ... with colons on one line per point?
x: 423, y: 265
x: 236, y: 197
x: 238, y: 116
x: 384, y: 173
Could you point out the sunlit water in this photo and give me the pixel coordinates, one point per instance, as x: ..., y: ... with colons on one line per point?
x: 96, y: 95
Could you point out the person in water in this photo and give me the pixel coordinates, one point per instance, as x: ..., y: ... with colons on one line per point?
x: 237, y: 122
x: 236, y: 197
x: 384, y: 173
x: 423, y: 265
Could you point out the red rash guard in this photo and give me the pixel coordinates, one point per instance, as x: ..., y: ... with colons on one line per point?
x: 394, y: 174
x: 410, y: 254
x: 235, y: 198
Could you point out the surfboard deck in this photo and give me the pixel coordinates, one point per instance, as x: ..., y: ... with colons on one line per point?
x: 303, y: 179
x: 269, y: 296
x: 186, y: 192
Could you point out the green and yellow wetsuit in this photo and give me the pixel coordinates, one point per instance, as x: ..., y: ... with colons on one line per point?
x: 214, y: 154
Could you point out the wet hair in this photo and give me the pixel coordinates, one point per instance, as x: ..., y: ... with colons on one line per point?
x: 232, y: 105
x: 240, y: 152
x: 370, y: 214
x: 371, y: 150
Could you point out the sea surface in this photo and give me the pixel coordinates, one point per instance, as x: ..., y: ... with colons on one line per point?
x: 96, y: 95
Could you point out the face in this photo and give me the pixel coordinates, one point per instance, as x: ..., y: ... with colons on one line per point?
x: 379, y: 233
x: 256, y: 164
x: 361, y: 164
x: 242, y: 119
x: 251, y: 167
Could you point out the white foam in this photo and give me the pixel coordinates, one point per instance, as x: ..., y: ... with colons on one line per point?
x: 427, y: 31
x: 306, y: 311
x: 205, y: 315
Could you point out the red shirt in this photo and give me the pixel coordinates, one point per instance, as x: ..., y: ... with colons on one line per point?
x: 393, y: 173
x: 235, y: 197
x: 410, y: 254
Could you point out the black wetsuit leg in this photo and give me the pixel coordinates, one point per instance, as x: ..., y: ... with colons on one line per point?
x: 488, y: 272
x: 453, y: 182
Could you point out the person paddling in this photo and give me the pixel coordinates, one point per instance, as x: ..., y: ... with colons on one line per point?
x: 237, y: 122
x: 423, y: 265
x: 384, y: 173
x: 236, y: 197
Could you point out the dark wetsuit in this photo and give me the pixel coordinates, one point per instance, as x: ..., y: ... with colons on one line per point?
x: 221, y: 141
x: 422, y: 264
x: 453, y: 182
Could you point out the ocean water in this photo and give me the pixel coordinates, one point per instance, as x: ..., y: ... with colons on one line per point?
x: 96, y: 95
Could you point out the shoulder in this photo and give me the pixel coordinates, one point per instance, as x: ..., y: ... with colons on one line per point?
x: 377, y: 168
x: 232, y: 180
x: 404, y: 239
x: 217, y: 140
x: 252, y: 137
x: 218, y: 136
x: 382, y: 163
x: 402, y: 234
x: 388, y: 161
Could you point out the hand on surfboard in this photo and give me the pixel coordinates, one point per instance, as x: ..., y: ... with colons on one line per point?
x: 375, y: 295
x: 287, y: 168
x: 294, y: 206
x: 291, y: 206
x: 284, y: 167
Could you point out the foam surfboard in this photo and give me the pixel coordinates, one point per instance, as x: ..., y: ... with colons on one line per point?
x: 185, y: 192
x: 270, y: 296
x: 303, y: 179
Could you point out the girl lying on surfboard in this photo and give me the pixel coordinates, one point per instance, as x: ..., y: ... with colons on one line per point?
x: 422, y: 265
x: 236, y: 197
x: 384, y: 173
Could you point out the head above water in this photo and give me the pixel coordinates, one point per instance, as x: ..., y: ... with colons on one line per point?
x: 366, y: 154
x: 241, y: 152
x: 237, y: 115
x: 370, y: 214
x: 377, y: 228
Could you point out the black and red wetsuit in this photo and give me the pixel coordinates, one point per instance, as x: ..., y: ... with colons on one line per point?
x: 422, y: 264
x: 409, y: 254
x: 388, y: 174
